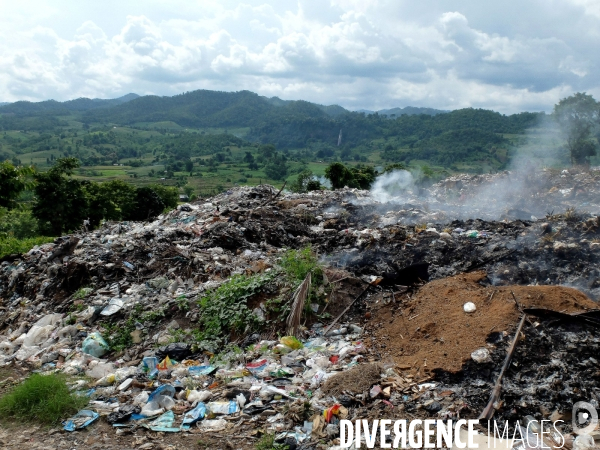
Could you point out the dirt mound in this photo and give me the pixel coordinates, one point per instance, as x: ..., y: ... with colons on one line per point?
x: 356, y: 380
x: 432, y: 331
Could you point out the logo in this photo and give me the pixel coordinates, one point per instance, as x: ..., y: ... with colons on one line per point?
x: 585, y: 418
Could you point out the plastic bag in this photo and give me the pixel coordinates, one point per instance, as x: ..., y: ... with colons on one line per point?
x: 193, y: 416
x: 177, y: 351
x: 95, y: 345
x: 229, y: 407
x: 291, y: 342
x: 123, y: 414
x: 37, y: 335
x: 198, y: 396
x: 165, y: 364
x: 80, y: 420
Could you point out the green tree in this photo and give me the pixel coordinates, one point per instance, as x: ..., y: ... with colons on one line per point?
x: 61, y: 203
x: 339, y: 175
x: 305, y: 182
x: 577, y: 115
x: 148, y: 205
x: 168, y: 195
x: 111, y: 200
x: 13, y: 181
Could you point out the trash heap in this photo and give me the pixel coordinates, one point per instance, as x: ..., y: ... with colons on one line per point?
x: 128, y: 306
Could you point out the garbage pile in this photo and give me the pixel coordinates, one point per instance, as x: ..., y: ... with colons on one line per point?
x: 414, y: 316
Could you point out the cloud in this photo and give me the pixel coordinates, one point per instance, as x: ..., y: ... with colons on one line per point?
x: 360, y: 54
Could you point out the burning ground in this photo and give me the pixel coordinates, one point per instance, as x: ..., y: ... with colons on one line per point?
x: 395, y: 271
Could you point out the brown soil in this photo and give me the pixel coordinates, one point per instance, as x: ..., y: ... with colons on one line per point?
x: 356, y: 380
x: 431, y: 330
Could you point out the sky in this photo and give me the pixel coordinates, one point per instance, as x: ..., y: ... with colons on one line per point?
x: 509, y: 56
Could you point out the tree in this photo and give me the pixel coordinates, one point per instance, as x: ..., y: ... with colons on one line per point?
x: 111, y: 200
x: 339, y: 175
x: 577, y: 115
x: 13, y: 181
x: 61, y: 203
x: 148, y: 205
x: 168, y: 195
x: 305, y: 182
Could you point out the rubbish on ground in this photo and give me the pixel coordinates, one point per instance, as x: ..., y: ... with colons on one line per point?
x: 80, y: 420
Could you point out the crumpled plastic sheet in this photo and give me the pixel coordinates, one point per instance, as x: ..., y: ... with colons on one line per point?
x: 80, y: 420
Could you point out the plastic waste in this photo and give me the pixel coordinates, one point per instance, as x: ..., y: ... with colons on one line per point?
x: 149, y: 363
x: 80, y: 420
x: 95, y: 345
x: 107, y: 380
x: 177, y: 351
x: 198, y: 396
x: 291, y: 342
x: 141, y: 398
x: 114, y: 306
x: 37, y: 335
x: 214, y: 425
x: 481, y: 355
x: 165, y: 389
x: 469, y: 307
x: 165, y: 364
x: 201, y: 370
x: 223, y: 408
x: 123, y: 414
x: 584, y: 442
x: 164, y: 423
x: 193, y: 416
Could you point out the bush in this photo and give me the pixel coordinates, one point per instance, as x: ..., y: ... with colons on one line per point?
x: 10, y: 244
x: 297, y: 263
x: 41, y: 398
x: 18, y: 223
x: 225, y: 309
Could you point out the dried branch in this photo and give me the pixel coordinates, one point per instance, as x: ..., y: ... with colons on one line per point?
x: 298, y: 299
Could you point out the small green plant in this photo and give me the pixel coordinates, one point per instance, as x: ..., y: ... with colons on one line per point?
x: 267, y: 442
x: 297, y: 263
x: 183, y: 303
x: 41, y: 398
x: 153, y: 316
x: 225, y: 309
x: 82, y: 293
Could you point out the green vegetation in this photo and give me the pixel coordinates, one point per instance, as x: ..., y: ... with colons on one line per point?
x: 44, y: 399
x: 296, y: 264
x: 11, y: 245
x: 361, y: 177
x: 225, y: 310
x: 267, y: 442
x: 578, y: 116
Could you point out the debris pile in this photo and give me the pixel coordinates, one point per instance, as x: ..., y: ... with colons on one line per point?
x: 180, y: 323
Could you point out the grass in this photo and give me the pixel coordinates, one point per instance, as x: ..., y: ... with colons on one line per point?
x: 267, y: 442
x: 10, y: 244
x: 297, y: 263
x: 44, y: 399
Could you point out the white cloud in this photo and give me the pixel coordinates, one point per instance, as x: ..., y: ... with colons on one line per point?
x: 360, y: 54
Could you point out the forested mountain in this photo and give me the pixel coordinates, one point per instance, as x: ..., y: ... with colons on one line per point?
x: 472, y: 138
x: 62, y: 108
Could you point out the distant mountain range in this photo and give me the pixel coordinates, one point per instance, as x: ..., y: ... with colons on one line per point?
x: 82, y: 105
x: 54, y: 107
x: 406, y: 111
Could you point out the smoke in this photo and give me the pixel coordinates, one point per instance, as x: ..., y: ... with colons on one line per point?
x: 395, y: 186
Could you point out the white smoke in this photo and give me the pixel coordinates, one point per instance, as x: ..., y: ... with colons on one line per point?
x: 393, y: 186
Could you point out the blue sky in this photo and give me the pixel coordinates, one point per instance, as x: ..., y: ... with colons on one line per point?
x: 509, y: 56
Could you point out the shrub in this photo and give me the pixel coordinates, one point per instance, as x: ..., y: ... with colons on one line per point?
x: 10, y: 244
x: 297, y: 263
x: 41, y: 398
